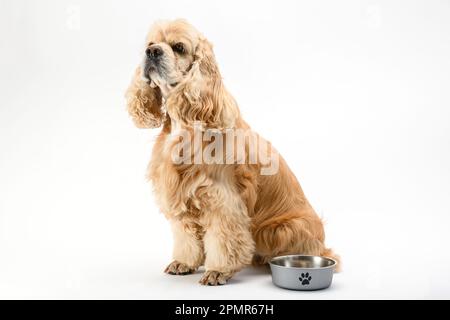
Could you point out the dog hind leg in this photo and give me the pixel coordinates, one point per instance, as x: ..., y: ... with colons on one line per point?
x: 285, y: 234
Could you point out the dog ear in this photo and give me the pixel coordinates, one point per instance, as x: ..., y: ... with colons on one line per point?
x: 204, y: 57
x: 202, y: 96
x: 144, y: 102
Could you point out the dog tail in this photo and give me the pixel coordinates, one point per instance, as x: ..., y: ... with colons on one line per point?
x: 328, y: 253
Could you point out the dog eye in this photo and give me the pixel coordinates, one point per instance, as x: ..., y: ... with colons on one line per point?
x: 179, y: 48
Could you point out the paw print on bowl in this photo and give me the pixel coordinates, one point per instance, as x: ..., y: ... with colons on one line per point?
x: 305, y: 279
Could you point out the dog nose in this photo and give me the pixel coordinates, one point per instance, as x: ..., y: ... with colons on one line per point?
x: 153, y: 52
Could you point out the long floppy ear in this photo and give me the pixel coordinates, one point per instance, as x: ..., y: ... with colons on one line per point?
x: 144, y: 103
x: 202, y: 96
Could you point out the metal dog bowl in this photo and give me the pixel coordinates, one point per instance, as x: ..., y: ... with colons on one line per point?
x: 302, y: 272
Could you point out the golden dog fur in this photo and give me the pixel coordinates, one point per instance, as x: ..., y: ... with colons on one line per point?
x: 223, y: 216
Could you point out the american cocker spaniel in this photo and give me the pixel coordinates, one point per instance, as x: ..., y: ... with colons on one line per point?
x: 229, y: 202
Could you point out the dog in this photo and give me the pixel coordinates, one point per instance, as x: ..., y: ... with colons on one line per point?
x: 227, y: 213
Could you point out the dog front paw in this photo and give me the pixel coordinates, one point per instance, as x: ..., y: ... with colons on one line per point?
x: 215, y: 278
x: 178, y: 268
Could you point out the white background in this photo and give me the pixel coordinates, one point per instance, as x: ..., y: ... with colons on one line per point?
x: 354, y: 94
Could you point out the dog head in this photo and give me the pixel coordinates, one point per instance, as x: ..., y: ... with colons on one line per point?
x: 169, y: 54
x: 179, y: 68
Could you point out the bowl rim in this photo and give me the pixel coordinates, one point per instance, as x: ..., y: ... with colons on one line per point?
x: 333, y: 265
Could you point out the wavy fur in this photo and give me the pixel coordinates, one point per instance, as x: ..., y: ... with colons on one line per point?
x: 223, y: 216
